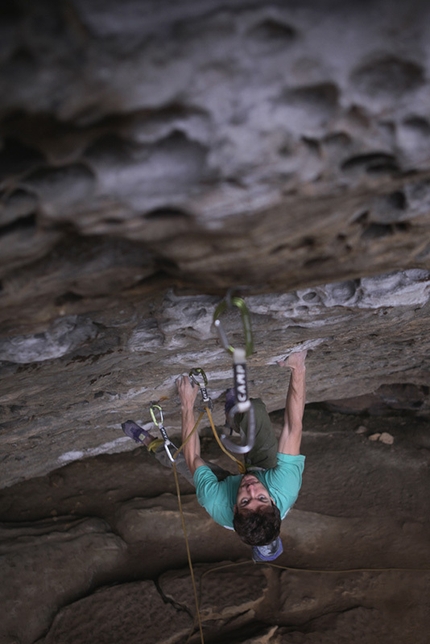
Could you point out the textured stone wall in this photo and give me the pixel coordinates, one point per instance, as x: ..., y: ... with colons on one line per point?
x: 228, y: 143
x: 153, y: 155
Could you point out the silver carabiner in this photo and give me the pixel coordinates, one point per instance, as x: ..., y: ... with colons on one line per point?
x: 160, y: 425
x: 193, y: 375
x: 244, y: 447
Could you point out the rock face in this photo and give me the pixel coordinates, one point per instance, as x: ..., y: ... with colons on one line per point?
x: 355, y: 565
x: 154, y: 157
x: 227, y: 143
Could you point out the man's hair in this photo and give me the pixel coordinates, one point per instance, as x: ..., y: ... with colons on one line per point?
x: 258, y: 527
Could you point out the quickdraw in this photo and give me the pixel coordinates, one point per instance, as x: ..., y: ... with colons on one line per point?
x: 228, y: 303
x: 160, y: 425
x: 202, y: 384
x: 242, y: 404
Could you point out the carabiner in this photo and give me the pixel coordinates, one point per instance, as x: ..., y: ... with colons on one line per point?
x: 194, y: 373
x: 244, y: 447
x: 242, y: 404
x: 246, y: 322
x: 160, y: 425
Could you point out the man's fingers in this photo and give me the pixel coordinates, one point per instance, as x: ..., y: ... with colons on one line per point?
x: 294, y: 359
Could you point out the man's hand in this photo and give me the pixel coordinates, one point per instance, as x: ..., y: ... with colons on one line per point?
x: 291, y: 435
x: 295, y: 360
x: 187, y: 392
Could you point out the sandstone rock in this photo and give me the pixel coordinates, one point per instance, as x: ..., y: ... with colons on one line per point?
x: 112, y: 363
x: 362, y: 592
x: 48, y: 564
x: 361, y: 430
x: 354, y: 512
x: 374, y: 437
x: 225, y: 591
x: 154, y: 155
x: 133, y: 613
x: 386, y: 438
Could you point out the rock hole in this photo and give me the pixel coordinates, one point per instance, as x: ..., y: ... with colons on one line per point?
x: 271, y: 34
x: 322, y: 96
x: 403, y: 227
x: 68, y: 298
x: 337, y: 140
x: 111, y: 221
x: 372, y: 162
x: 343, y: 291
x: 377, y: 231
x: 382, y: 168
x: 24, y: 223
x: 315, y: 261
x: 310, y: 297
x: 312, y: 144
x: 418, y: 123
x: 362, y: 218
x: 388, y: 75
x: 397, y: 200
x: 15, y: 157
x: 166, y: 213
x: 284, y: 150
x: 109, y: 146
x: 278, y: 249
x: 168, y: 265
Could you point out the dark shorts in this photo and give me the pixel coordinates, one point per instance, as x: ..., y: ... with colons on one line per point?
x: 263, y: 454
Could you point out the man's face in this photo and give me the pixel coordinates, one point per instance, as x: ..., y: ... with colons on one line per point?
x: 252, y: 495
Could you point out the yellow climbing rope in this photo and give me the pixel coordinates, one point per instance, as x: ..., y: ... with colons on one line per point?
x: 187, y: 546
x: 242, y: 469
x: 241, y: 466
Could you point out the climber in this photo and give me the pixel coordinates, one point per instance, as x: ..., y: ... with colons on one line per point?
x: 252, y: 504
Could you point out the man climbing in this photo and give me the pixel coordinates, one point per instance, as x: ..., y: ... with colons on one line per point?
x: 252, y: 504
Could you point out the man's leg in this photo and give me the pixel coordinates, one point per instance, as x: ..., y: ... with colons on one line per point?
x: 263, y: 453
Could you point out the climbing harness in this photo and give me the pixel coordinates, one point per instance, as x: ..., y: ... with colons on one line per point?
x: 160, y: 425
x: 242, y: 401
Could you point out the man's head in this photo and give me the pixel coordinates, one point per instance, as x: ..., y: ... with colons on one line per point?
x: 257, y: 520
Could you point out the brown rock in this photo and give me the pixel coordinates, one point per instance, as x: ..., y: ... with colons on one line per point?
x: 386, y: 438
x: 374, y: 437
x: 132, y: 613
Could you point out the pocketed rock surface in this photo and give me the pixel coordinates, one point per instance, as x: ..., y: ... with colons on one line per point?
x: 156, y: 156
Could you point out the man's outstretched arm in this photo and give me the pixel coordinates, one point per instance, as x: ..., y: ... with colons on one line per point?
x: 187, y: 395
x: 291, y: 436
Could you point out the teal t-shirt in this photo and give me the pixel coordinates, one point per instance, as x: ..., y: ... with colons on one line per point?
x: 283, y: 483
